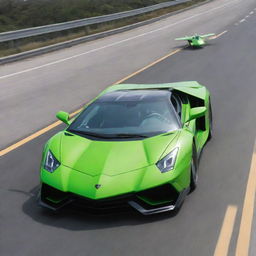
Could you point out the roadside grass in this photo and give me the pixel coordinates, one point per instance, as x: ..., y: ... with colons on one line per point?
x: 26, y: 44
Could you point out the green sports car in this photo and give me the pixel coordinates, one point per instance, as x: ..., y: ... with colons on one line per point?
x: 195, y: 41
x: 135, y: 146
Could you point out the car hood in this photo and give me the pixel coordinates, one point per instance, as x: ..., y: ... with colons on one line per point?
x: 112, y: 157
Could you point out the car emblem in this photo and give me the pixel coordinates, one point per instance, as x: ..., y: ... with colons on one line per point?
x: 97, y: 186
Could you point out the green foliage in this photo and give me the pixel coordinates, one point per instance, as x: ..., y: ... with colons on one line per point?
x: 18, y: 14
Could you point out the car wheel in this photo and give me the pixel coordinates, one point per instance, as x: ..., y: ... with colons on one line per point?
x: 194, y: 173
x: 210, y: 121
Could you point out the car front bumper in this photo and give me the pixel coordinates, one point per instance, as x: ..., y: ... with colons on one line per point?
x: 55, y: 200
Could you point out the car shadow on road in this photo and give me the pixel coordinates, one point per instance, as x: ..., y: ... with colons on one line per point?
x: 72, y: 219
x: 192, y: 48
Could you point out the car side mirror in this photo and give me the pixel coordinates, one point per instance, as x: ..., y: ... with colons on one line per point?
x: 196, y: 113
x: 63, y: 116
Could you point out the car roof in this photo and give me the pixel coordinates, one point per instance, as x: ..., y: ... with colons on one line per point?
x: 134, y: 95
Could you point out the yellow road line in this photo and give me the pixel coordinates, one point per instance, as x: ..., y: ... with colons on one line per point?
x: 76, y: 112
x: 226, y: 231
x: 34, y: 135
x: 219, y: 35
x: 55, y: 124
x: 29, y: 138
x: 148, y: 66
x: 243, y: 241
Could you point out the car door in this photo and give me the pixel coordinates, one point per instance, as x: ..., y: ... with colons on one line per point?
x: 182, y: 107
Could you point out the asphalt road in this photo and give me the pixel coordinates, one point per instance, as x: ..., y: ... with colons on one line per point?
x: 68, y: 78
x: 227, y: 66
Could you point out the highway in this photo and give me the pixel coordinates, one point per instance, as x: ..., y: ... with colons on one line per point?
x: 33, y: 90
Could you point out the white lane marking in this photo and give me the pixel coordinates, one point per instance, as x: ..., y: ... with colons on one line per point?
x: 251, y: 12
x: 241, y: 21
x: 119, y: 42
x: 247, y: 16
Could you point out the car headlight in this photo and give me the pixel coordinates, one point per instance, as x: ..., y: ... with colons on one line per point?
x: 167, y: 163
x: 51, y: 163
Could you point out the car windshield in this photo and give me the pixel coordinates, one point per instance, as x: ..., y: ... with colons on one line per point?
x: 126, y: 119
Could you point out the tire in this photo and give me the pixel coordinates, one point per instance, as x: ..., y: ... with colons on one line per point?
x: 194, y: 171
x: 210, y: 121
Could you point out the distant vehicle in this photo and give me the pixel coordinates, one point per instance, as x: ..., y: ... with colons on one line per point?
x: 135, y: 146
x: 196, y: 40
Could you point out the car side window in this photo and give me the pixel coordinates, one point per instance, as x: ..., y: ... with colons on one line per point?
x: 176, y: 102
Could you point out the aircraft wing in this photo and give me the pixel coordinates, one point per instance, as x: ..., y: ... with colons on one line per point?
x: 184, y: 38
x: 207, y: 35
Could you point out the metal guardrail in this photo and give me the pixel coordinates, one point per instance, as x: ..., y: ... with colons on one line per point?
x: 29, y: 32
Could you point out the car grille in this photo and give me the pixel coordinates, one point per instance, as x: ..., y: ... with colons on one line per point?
x: 161, y: 195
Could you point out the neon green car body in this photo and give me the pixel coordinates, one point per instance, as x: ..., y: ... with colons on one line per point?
x: 196, y: 40
x: 98, y: 171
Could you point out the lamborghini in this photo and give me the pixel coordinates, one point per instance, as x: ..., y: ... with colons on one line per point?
x: 196, y: 40
x: 134, y: 146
